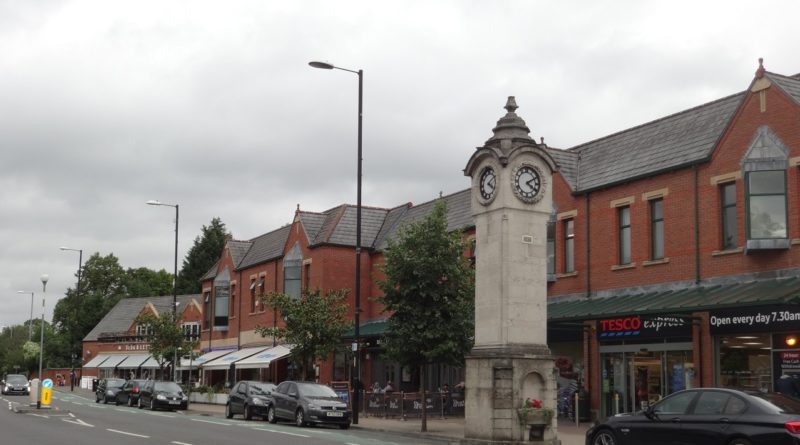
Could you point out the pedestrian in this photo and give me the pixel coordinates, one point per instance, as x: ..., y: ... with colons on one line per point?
x: 389, y: 388
x: 376, y: 388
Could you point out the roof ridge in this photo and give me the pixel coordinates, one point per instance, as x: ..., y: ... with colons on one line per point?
x: 441, y: 197
x: 252, y: 240
x: 326, y: 231
x: 663, y: 118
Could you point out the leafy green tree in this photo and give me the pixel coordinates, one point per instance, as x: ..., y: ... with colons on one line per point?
x: 202, y: 256
x: 144, y: 282
x: 315, y: 324
x: 166, y: 337
x: 429, y: 293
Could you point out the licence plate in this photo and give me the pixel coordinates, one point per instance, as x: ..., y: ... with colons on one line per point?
x: 335, y: 414
x: 174, y: 402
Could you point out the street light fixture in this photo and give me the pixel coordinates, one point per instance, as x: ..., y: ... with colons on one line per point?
x: 30, y: 320
x: 357, y: 312
x: 153, y: 202
x: 77, y: 324
x: 44, y: 279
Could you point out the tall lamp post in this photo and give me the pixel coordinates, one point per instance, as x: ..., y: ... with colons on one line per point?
x: 357, y: 313
x: 30, y: 320
x: 174, y: 280
x: 75, y: 330
x: 44, y: 279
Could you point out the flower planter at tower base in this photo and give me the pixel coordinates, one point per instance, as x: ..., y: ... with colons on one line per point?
x: 537, y: 420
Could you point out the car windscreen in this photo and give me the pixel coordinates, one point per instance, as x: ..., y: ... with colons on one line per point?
x: 775, y: 402
x: 261, y: 389
x: 314, y: 390
x: 115, y: 383
x: 167, y: 387
x: 16, y: 379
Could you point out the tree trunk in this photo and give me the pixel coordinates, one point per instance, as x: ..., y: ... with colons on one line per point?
x: 424, y: 427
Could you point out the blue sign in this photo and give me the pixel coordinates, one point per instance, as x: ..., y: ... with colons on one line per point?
x: 47, y: 383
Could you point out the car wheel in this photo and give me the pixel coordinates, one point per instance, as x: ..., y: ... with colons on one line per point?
x: 228, y: 412
x: 740, y: 441
x: 248, y: 413
x: 152, y: 405
x: 604, y: 437
x: 271, y: 415
x: 300, y: 418
x: 344, y: 426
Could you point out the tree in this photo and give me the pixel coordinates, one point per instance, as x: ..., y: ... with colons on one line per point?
x: 429, y: 294
x: 202, y: 256
x: 144, y: 282
x: 315, y: 324
x: 166, y: 337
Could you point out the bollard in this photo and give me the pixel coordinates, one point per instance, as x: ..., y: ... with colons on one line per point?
x: 616, y: 403
x: 577, y: 413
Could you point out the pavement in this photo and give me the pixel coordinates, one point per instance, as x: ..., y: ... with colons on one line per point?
x: 448, y: 430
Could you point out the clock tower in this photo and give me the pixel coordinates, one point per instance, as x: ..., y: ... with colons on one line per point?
x: 511, y: 203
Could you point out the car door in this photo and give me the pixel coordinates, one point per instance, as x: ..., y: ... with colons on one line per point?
x: 660, y: 425
x: 711, y: 418
x: 125, y: 392
x: 279, y: 397
x: 292, y: 400
x: 237, y: 396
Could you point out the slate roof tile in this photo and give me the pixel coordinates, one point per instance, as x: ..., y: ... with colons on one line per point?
x: 266, y: 247
x: 121, y: 316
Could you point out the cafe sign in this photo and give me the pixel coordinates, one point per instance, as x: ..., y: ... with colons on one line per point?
x: 755, y: 319
x: 639, y: 326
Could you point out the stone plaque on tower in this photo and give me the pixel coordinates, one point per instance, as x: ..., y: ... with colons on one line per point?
x: 510, y: 362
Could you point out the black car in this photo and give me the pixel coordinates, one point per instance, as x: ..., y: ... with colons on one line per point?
x: 16, y: 384
x: 129, y: 393
x: 308, y: 403
x: 248, y: 398
x: 107, y: 390
x: 707, y: 416
x: 157, y: 394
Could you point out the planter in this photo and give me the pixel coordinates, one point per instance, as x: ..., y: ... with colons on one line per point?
x: 535, y: 416
x: 202, y: 397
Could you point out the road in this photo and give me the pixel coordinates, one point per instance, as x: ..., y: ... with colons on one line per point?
x: 77, y: 420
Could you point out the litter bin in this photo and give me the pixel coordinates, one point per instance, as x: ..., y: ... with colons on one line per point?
x: 583, y: 405
x: 94, y: 385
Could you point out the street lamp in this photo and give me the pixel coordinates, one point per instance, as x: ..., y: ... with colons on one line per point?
x: 44, y: 279
x: 30, y: 320
x: 175, y: 275
x: 77, y: 324
x: 357, y: 312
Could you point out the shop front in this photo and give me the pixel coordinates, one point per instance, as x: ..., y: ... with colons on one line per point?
x: 756, y: 348
x: 642, y: 359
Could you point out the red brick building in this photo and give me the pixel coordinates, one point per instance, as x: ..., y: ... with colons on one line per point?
x: 673, y: 258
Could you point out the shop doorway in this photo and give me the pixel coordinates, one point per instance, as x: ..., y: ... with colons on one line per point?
x: 635, y: 376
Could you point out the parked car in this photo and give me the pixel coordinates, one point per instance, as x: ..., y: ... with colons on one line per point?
x: 158, y: 394
x: 16, y: 384
x: 129, y: 393
x: 308, y: 403
x: 107, y: 390
x: 708, y: 416
x: 248, y: 398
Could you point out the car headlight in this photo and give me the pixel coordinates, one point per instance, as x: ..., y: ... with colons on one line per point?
x: 110, y: 392
x: 257, y: 401
x: 161, y: 397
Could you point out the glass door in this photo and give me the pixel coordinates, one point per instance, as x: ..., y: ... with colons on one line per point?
x: 615, y: 384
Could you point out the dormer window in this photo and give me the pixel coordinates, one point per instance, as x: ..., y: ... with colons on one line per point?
x: 765, y: 167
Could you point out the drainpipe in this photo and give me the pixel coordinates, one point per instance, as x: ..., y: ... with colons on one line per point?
x: 239, y: 314
x: 588, y: 250
x: 696, y: 225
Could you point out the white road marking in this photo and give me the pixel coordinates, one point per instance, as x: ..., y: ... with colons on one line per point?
x: 78, y: 422
x: 280, y: 432
x: 127, y: 434
x: 180, y: 443
x: 40, y: 415
x: 72, y: 415
x: 211, y: 421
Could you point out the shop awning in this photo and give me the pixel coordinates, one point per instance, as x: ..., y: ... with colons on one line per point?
x: 225, y: 361
x: 207, y: 357
x: 368, y: 329
x: 133, y: 361
x: 678, y: 301
x: 263, y: 359
x: 150, y: 363
x: 112, y: 361
x: 95, y: 362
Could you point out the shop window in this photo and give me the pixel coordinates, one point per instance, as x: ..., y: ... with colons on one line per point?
x: 657, y: 229
x: 624, y: 218
x: 728, y: 202
x: 569, y: 246
x: 745, y: 361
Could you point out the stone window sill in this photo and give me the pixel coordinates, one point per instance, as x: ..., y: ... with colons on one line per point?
x: 655, y: 262
x: 567, y: 275
x: 623, y: 266
x: 727, y: 251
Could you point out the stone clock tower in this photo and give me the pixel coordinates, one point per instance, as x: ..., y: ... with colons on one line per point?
x: 511, y: 202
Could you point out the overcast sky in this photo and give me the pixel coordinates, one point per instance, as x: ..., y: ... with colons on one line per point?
x: 212, y: 105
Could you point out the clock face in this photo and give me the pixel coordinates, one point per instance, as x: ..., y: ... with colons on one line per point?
x: 527, y: 183
x: 488, y: 184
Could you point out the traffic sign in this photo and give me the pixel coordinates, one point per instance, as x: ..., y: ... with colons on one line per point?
x: 47, y: 394
x: 47, y: 383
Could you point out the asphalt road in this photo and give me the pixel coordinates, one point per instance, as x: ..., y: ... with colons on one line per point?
x: 77, y: 420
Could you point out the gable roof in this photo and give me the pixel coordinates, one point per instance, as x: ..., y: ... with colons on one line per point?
x: 661, y: 145
x: 238, y: 250
x: 266, y: 247
x: 789, y: 84
x: 122, y: 315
